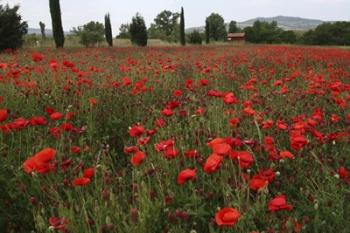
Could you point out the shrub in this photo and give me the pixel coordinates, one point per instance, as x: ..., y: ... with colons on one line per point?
x: 138, y: 31
x: 90, y: 34
x: 195, y: 38
x: 12, y: 28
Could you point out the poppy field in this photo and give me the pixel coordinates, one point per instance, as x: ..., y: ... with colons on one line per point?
x: 194, y: 139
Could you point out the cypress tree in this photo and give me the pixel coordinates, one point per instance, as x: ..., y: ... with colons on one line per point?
x: 108, y: 30
x: 182, y: 27
x: 57, y: 28
x: 207, y: 32
x: 42, y: 29
x: 138, y: 31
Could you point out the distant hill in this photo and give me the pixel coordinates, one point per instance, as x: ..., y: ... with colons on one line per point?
x: 48, y: 32
x: 284, y: 22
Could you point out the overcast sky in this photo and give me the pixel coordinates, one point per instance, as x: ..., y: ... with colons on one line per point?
x: 79, y: 12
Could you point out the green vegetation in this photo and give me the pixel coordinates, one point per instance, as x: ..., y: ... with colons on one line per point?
x: 232, y: 27
x: 108, y: 30
x: 90, y: 34
x: 269, y: 33
x: 58, y: 34
x: 124, y: 31
x: 337, y: 33
x: 217, y: 29
x: 194, y: 38
x: 42, y: 30
x: 165, y: 27
x: 182, y: 27
x: 138, y: 31
x: 12, y: 28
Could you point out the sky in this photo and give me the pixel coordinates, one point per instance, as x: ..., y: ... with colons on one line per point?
x: 78, y: 12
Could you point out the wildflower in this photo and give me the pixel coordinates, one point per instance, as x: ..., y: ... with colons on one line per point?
x: 227, y: 217
x: 186, y: 175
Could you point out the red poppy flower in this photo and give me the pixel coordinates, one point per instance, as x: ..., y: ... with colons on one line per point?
x: 163, y: 145
x: 89, y: 172
x: 3, y: 115
x: 170, y: 153
x: 58, y: 224
x: 177, y: 93
x: 191, y: 153
x: 249, y: 111
x: 136, y: 131
x: 230, y: 98
x: 258, y: 182
x: 286, y: 154
x: 75, y: 149
x: 221, y: 149
x: 167, y: 112
x: 130, y: 149
x: 37, y: 120
x: 298, y: 141
x: 267, y: 174
x: 138, y: 158
x: 56, y: 116
x: 36, y: 57
x: 279, y: 203
x: 186, y: 175
x: 40, y: 162
x: 227, y: 217
x: 213, y: 163
x: 81, y: 181
x: 244, y: 158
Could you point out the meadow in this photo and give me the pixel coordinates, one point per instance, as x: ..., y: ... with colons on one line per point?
x: 175, y: 139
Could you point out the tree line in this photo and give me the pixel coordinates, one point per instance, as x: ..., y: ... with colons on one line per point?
x: 168, y: 26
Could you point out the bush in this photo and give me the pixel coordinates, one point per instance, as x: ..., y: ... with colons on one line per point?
x: 194, y: 38
x: 337, y: 33
x: 138, y: 31
x: 90, y: 34
x: 12, y: 29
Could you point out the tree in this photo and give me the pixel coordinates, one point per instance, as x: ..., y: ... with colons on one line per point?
x: 12, y: 28
x: 195, y: 38
x: 207, y: 32
x: 124, y: 31
x: 42, y: 29
x: 263, y: 32
x: 90, y: 34
x: 337, y: 33
x: 57, y: 28
x: 232, y: 28
x: 166, y: 21
x: 182, y: 27
x: 217, y: 29
x: 288, y: 37
x: 108, y: 30
x: 138, y: 31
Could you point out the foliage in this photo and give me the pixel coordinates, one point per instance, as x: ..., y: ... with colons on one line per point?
x: 194, y: 38
x: 108, y: 30
x: 171, y: 139
x: 90, y: 34
x: 42, y: 30
x: 124, y: 31
x: 207, y: 32
x: 232, y: 27
x: 288, y: 37
x: 217, y: 29
x: 57, y: 28
x: 265, y: 32
x: 165, y: 27
x: 182, y: 27
x: 12, y: 28
x: 337, y: 33
x: 138, y: 31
